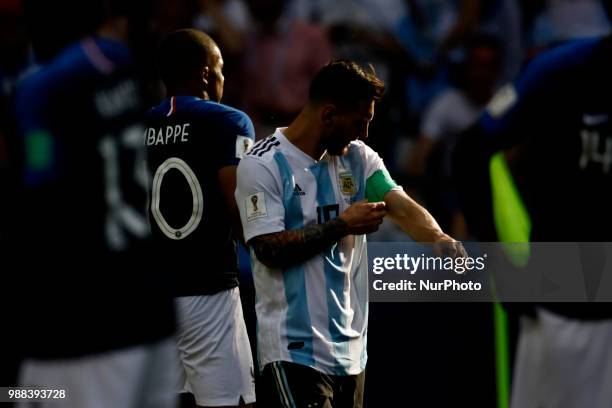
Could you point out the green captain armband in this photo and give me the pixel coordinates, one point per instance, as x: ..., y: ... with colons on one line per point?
x: 379, y: 184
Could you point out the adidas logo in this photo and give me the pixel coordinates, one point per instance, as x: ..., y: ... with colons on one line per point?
x: 297, y: 191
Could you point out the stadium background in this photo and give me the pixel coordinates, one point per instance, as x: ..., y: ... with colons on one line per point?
x: 420, y: 354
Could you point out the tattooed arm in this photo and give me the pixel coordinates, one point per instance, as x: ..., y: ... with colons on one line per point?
x: 287, y: 248
x: 292, y: 247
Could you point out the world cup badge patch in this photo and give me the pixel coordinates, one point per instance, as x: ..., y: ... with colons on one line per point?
x: 243, y: 145
x: 348, y: 187
x: 255, y: 206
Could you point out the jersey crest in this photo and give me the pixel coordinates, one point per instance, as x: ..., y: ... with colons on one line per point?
x: 348, y: 186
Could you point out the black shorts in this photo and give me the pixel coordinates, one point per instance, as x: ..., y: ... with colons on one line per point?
x: 290, y: 385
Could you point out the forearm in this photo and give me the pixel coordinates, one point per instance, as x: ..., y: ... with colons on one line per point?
x: 291, y: 247
x: 421, y: 226
x: 412, y: 218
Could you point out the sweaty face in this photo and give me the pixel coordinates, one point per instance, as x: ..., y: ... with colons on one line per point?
x: 215, y: 76
x: 348, y: 125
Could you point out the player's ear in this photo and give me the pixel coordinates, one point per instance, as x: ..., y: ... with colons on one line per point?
x: 327, y: 114
x: 205, y: 75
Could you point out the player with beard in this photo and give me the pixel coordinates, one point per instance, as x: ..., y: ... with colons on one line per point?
x: 307, y: 195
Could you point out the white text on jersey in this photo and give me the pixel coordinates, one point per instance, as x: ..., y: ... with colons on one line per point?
x: 172, y: 134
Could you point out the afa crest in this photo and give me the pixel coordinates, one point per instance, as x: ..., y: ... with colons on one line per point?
x: 348, y: 186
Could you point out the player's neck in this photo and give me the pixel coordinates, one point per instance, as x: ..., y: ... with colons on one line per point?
x: 303, y: 133
x: 187, y: 91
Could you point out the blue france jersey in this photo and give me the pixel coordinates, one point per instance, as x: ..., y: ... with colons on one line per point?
x: 315, y: 313
x: 557, y: 119
x: 82, y: 211
x: 558, y: 116
x: 188, y: 141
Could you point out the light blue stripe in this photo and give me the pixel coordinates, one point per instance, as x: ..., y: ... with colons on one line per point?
x: 298, y: 325
x: 356, y: 166
x: 334, y: 277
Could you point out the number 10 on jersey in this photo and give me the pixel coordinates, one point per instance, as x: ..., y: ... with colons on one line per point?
x: 196, y: 192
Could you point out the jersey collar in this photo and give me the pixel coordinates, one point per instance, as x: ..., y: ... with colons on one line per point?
x: 305, y: 159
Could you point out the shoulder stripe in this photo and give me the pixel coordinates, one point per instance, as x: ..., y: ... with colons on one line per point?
x: 259, y: 143
x: 268, y: 148
x: 259, y: 147
x: 172, y: 106
x: 97, y: 58
x: 262, y: 144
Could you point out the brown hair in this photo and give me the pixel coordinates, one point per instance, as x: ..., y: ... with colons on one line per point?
x: 346, y: 84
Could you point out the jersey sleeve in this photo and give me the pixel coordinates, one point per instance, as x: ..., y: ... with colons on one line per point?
x: 371, y: 159
x: 378, y: 179
x: 259, y: 198
x: 513, y: 106
x: 517, y: 106
x: 237, y: 137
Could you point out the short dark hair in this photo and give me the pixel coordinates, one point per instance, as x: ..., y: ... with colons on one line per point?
x: 346, y: 84
x: 183, y: 54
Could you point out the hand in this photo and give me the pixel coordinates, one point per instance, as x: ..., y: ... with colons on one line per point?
x: 364, y: 217
x: 446, y: 246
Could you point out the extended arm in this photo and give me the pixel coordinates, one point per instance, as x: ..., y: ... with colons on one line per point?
x: 417, y: 222
x: 414, y: 220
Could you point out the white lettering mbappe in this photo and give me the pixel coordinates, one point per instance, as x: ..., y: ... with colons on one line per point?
x: 167, y: 135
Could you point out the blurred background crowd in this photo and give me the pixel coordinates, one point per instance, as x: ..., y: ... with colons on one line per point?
x: 441, y: 60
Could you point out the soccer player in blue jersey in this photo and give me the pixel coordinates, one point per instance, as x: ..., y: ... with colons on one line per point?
x: 556, y: 120
x: 104, y: 317
x: 194, y: 145
x: 307, y: 195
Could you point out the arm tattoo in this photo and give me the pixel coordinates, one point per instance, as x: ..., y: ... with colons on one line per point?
x: 291, y: 247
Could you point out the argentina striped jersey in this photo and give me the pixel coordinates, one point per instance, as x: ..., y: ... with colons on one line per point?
x: 314, y: 313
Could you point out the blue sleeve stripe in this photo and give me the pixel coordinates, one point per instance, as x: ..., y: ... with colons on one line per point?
x: 298, y: 323
x: 334, y: 280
